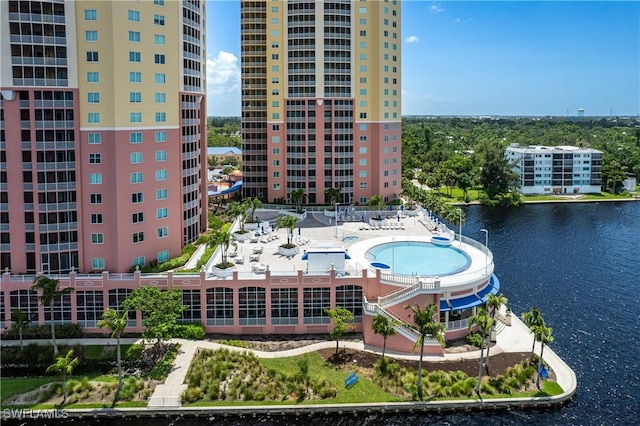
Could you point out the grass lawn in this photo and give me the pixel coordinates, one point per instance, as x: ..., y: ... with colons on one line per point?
x: 10, y: 386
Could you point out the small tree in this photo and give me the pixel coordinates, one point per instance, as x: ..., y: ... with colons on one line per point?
x: 376, y: 203
x: 303, y: 364
x: 341, y: 323
x: 236, y: 209
x: 298, y: 197
x: 545, y: 336
x: 426, y: 325
x: 386, y: 327
x: 116, y: 323
x: 223, y: 240
x: 20, y: 322
x: 333, y: 195
x: 50, y: 291
x: 531, y: 319
x: 160, y: 309
x: 484, y: 323
x: 64, y: 365
x: 252, y: 204
x: 288, y: 222
x: 494, y: 302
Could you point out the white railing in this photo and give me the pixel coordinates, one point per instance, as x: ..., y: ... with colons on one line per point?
x: 423, y: 286
x: 400, y: 326
x: 458, y: 324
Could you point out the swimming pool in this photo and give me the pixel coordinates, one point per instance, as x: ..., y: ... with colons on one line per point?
x: 420, y: 258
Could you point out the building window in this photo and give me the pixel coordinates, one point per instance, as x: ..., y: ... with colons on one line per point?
x: 90, y: 15
x: 158, y: 2
x: 161, y: 98
x: 97, y: 238
x: 139, y: 261
x: 161, y: 175
x: 162, y: 213
x: 137, y: 217
x: 160, y: 78
x: 95, y: 158
x: 89, y: 307
x: 92, y: 56
x: 135, y: 77
x: 162, y: 194
x: 191, y: 299
x: 135, y: 157
x: 316, y: 301
x: 97, y: 263
x: 163, y: 232
x: 135, y: 137
x: 137, y: 197
x: 161, y: 117
x: 91, y: 35
x: 134, y: 36
x: 95, y: 198
x: 95, y: 138
x: 349, y: 297
x: 95, y: 178
x: 135, y: 117
x: 158, y: 20
x: 161, y: 155
x: 163, y: 256
x: 137, y: 237
x: 93, y: 97
x: 161, y: 136
x: 252, y: 306
x: 93, y: 77
x: 159, y: 58
x: 159, y: 39
x: 363, y: 173
x: 96, y: 218
x: 136, y: 177
x: 135, y: 97
x: 284, y: 306
x: 363, y: 161
x: 219, y: 306
x: 134, y: 56
x: 133, y: 15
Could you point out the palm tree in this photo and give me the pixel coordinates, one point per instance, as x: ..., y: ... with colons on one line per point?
x: 493, y: 304
x: 386, y: 327
x: 64, y: 365
x: 333, y: 195
x: 236, y: 209
x: 484, y: 323
x: 531, y: 319
x: 288, y: 222
x: 20, y: 322
x: 426, y: 325
x: 252, y: 204
x: 115, y: 322
x: 377, y: 203
x: 223, y: 240
x: 50, y: 292
x: 298, y: 197
x: 545, y: 336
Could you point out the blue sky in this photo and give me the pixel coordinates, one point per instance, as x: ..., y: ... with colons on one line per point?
x: 484, y: 58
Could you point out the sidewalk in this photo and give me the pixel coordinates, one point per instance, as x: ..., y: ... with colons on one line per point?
x: 514, y: 338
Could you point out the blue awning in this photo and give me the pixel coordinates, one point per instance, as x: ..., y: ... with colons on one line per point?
x: 444, y: 306
x: 236, y: 187
x: 465, y: 302
x: 492, y: 288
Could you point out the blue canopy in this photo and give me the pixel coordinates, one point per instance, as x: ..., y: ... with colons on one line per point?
x: 465, y: 302
x: 492, y: 288
x: 444, y: 306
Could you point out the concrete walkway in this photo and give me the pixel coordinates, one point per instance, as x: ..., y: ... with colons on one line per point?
x: 514, y: 338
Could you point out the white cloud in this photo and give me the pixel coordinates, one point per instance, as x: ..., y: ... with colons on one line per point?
x: 436, y: 8
x: 457, y: 20
x: 412, y: 39
x: 223, y: 85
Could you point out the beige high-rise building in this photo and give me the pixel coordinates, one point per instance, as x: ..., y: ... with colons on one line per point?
x: 321, y: 98
x: 102, y: 133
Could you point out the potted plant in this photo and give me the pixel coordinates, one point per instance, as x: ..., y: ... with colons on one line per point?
x: 298, y: 197
x: 234, y: 210
x: 251, y: 204
x: 332, y: 195
x: 222, y: 239
x: 288, y: 222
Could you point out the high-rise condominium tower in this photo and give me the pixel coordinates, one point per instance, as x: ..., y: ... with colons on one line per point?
x: 321, y: 98
x: 102, y: 133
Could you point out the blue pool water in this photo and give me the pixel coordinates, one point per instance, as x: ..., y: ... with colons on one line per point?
x: 349, y: 238
x: 420, y: 258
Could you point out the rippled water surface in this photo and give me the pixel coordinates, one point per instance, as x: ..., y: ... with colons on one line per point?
x: 580, y: 264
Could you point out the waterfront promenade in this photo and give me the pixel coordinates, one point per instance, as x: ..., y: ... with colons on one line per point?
x: 166, y: 398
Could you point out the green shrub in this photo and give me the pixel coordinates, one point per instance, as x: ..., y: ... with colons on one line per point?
x: 474, y: 339
x: 188, y: 331
x: 63, y: 331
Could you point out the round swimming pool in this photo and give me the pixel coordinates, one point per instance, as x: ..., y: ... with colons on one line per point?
x: 349, y: 238
x: 419, y: 258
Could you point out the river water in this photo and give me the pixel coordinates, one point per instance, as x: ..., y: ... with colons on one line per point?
x: 580, y: 264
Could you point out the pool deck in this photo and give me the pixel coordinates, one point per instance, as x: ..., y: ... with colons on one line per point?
x: 316, y: 230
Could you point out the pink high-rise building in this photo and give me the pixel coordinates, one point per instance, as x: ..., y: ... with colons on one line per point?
x: 102, y: 133
x: 321, y: 99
